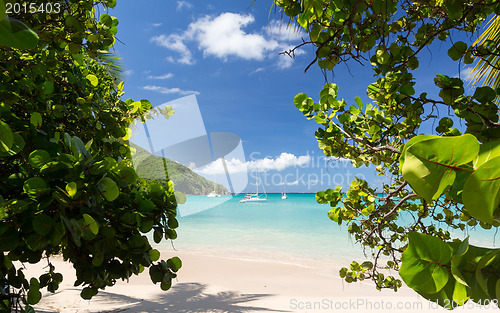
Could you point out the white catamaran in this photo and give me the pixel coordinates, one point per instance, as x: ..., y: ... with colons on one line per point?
x: 254, y: 197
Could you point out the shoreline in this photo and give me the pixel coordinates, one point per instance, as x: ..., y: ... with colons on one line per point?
x: 212, y: 283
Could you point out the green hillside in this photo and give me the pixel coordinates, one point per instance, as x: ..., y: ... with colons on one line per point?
x: 151, y: 167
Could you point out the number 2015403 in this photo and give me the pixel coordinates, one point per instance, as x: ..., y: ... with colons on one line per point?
x: 16, y: 8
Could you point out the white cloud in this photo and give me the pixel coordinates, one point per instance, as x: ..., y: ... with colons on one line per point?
x: 157, y: 24
x: 183, y: 4
x: 166, y: 76
x: 294, y: 183
x: 165, y: 90
x: 225, y: 36
x: 464, y: 73
x: 285, y: 160
x: 284, y: 32
x: 286, y: 61
x: 175, y: 42
x: 128, y: 72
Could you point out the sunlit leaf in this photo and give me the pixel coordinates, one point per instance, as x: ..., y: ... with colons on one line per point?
x: 430, y: 165
x: 423, y: 263
x: 109, y: 188
x: 6, y: 137
x: 93, y: 79
x: 16, y: 34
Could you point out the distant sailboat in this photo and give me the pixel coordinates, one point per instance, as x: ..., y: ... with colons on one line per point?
x: 283, y: 194
x: 214, y: 193
x: 254, y: 197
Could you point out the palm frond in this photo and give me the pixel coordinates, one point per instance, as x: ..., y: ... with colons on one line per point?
x: 487, y: 68
x: 113, y: 62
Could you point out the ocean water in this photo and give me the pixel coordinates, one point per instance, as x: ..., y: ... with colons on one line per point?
x: 295, y: 230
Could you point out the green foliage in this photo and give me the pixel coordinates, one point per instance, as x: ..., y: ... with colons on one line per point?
x: 67, y: 184
x: 438, y: 181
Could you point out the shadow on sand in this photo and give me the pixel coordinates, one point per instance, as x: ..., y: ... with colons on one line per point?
x: 183, y: 298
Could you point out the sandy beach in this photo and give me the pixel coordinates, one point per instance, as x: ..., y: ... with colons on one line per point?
x: 224, y: 284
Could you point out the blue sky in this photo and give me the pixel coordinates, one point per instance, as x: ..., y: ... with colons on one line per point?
x: 226, y: 53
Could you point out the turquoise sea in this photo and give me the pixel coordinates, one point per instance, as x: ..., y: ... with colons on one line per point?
x: 296, y: 230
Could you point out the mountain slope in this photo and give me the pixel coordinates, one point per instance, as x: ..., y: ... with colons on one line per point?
x: 150, y: 166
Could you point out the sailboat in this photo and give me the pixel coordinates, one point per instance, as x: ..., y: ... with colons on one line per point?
x: 254, y: 197
x: 214, y: 193
x: 284, y: 196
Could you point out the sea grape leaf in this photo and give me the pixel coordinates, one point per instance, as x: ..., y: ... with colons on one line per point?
x: 6, y: 137
x: 9, y: 240
x: 423, y: 263
x: 174, y: 263
x: 43, y: 224
x: 429, y: 166
x: 71, y: 189
x: 484, y: 262
x: 78, y: 147
x: 29, y: 309
x: 39, y: 158
x: 35, y: 186
x: 34, y: 294
x: 457, y: 50
x: 154, y: 255
x: 16, y: 34
x: 3, y: 10
x: 16, y: 147
x: 411, y: 142
x: 87, y: 293
x: 98, y: 259
x: 487, y: 151
x: 452, y: 295
x: 36, y: 119
x: 91, y: 223
x: 481, y: 194
x: 94, y: 81
x: 457, y: 188
x: 48, y: 87
x: 109, y: 188
x: 128, y: 175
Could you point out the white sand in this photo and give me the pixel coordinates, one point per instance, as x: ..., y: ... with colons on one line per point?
x: 223, y: 284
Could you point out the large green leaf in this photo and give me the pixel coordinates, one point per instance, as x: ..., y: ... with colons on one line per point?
x: 424, y: 263
x: 35, y: 187
x: 487, y: 151
x: 429, y: 166
x: 452, y: 295
x: 3, y: 10
x: 481, y: 194
x: 16, y: 34
x: 174, y: 263
x: 91, y: 224
x: 484, y: 262
x: 93, y: 79
x: 6, y: 137
x: 78, y: 148
x: 16, y: 147
x: 43, y: 224
x: 71, y: 189
x: 411, y: 142
x: 39, y: 158
x: 109, y: 188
